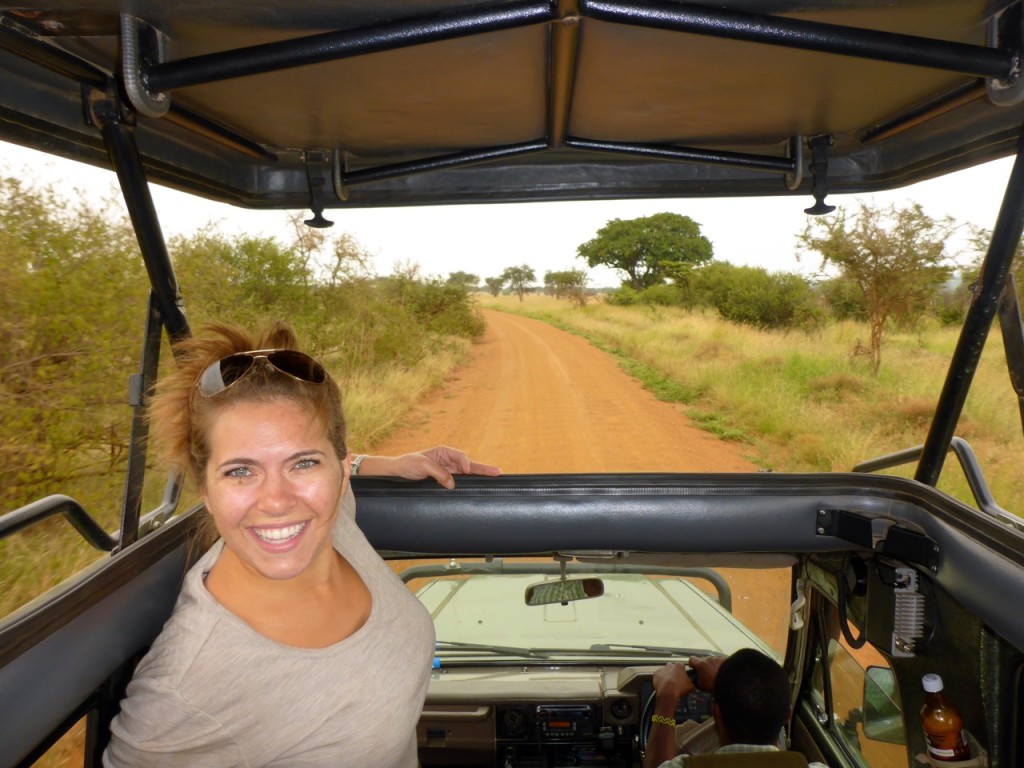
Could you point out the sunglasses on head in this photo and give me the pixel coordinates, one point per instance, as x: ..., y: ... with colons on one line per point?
x: 228, y: 370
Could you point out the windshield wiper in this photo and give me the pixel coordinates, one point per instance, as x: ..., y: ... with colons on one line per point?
x: 497, y: 650
x: 660, y: 650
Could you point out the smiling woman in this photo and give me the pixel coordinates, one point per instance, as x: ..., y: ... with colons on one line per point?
x: 292, y: 594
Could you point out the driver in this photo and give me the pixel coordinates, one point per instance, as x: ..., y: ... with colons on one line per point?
x: 750, y: 705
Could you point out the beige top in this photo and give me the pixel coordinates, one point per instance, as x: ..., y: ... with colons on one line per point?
x: 214, y: 692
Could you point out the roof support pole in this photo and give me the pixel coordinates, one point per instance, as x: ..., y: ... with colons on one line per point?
x: 124, y: 156
x: 140, y: 389
x: 994, y: 270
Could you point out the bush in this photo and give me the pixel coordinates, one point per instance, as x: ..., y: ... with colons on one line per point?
x: 440, y: 307
x: 752, y: 296
x: 623, y: 297
x: 661, y: 296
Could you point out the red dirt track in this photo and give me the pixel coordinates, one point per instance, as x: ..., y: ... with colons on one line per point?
x: 532, y: 398
x: 535, y: 399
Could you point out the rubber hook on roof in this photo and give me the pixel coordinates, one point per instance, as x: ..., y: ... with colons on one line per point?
x: 819, y: 170
x: 145, y: 103
x: 320, y: 177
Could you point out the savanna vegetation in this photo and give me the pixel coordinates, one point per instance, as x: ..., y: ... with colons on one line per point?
x: 73, y: 295
x: 805, y: 400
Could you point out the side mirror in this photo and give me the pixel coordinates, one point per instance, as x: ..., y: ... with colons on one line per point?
x: 883, y: 716
x: 563, y: 591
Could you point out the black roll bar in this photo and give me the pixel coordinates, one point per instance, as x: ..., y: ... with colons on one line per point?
x: 964, y: 363
x: 440, y: 162
x: 330, y: 46
x: 688, y: 154
x: 808, y: 35
x: 968, y: 463
x: 58, y: 504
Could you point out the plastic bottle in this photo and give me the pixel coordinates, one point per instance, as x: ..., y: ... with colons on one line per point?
x: 943, y: 726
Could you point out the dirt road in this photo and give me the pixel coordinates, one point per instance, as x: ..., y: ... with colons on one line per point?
x: 533, y: 398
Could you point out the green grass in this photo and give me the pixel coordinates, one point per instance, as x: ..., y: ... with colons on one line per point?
x: 806, y: 401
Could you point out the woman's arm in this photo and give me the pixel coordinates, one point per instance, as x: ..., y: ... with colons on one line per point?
x: 440, y: 463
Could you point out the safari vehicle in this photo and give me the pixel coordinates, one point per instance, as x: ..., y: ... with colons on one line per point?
x: 275, y: 104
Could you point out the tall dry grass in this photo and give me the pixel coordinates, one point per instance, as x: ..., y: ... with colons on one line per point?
x: 807, y: 402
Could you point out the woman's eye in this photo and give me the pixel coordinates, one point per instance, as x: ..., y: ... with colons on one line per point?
x: 238, y: 472
x: 306, y: 463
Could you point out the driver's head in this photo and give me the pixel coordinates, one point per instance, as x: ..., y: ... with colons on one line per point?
x: 752, y: 694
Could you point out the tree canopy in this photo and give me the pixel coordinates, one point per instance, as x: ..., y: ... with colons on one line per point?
x: 648, y: 249
x: 519, y: 279
x: 569, y: 284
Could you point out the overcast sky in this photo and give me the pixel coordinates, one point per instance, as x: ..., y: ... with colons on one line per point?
x: 484, y: 239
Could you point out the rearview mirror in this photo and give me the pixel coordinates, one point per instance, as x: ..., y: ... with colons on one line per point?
x: 563, y: 591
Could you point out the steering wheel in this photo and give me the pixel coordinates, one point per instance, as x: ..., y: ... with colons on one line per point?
x: 684, y: 709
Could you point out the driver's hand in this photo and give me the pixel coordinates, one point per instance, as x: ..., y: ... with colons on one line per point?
x: 706, y: 668
x: 671, y: 683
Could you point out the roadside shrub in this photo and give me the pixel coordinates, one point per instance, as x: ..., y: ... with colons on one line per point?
x: 622, y: 297
x: 440, y: 307
x: 752, y: 296
x: 661, y: 296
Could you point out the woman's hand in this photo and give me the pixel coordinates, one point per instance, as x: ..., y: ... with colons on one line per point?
x: 440, y: 463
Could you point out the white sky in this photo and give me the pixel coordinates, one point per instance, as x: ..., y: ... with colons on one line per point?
x: 485, y: 239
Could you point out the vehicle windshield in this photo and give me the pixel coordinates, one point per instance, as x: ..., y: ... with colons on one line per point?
x: 646, y: 613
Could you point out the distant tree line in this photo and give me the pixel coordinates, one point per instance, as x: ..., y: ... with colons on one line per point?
x: 888, y: 267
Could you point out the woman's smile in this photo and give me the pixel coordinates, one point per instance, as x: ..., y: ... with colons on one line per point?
x: 279, y: 535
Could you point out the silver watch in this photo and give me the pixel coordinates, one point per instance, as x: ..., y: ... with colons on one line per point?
x: 356, y: 461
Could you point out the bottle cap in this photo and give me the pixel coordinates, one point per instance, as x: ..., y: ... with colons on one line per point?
x: 931, y: 683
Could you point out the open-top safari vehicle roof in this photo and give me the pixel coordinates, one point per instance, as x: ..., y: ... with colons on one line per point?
x: 333, y: 105
x: 340, y: 104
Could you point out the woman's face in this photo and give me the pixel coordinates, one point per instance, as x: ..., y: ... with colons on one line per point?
x: 272, y: 485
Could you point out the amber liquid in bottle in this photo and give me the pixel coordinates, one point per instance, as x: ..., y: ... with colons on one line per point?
x: 943, y: 726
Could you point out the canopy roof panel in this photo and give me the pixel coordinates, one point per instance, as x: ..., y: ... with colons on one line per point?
x: 284, y: 104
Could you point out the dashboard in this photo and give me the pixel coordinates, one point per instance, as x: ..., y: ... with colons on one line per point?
x: 535, y: 716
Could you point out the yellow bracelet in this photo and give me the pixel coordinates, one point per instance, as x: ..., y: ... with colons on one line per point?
x: 662, y: 720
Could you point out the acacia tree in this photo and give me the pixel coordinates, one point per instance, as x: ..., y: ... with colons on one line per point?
x: 519, y: 279
x: 896, y: 257
x: 570, y: 284
x: 494, y: 284
x: 466, y: 279
x: 648, y: 249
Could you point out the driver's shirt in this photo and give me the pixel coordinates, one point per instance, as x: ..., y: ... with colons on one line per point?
x: 214, y: 692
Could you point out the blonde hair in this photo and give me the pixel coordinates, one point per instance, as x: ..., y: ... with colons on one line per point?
x: 180, y: 419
